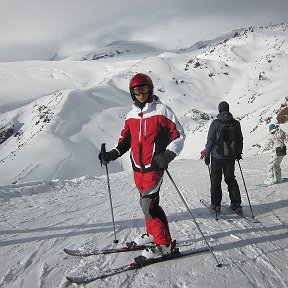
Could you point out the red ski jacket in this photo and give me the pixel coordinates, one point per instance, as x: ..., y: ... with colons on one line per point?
x: 148, y: 132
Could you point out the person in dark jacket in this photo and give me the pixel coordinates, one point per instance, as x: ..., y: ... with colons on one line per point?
x: 223, y: 164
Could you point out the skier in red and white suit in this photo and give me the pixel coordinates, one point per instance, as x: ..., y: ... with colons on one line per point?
x: 155, y: 137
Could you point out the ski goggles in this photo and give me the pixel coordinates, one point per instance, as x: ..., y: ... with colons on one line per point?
x: 140, y: 90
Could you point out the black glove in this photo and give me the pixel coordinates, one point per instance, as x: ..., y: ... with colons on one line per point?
x: 207, y: 160
x: 163, y: 159
x: 106, y: 157
x: 238, y: 157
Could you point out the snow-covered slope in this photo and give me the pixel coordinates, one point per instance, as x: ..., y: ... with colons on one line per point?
x: 63, y: 110
x: 40, y: 218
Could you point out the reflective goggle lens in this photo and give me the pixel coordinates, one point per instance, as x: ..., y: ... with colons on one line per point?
x: 140, y: 90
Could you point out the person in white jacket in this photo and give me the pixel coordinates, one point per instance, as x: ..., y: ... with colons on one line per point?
x: 277, y: 142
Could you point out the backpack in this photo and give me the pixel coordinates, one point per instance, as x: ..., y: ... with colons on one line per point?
x: 226, y: 140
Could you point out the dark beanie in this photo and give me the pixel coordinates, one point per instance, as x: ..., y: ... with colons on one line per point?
x: 223, y: 106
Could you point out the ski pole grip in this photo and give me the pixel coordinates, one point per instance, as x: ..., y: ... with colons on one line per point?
x: 103, y: 148
x: 103, y: 151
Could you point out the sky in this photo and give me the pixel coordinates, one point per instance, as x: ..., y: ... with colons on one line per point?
x: 38, y: 29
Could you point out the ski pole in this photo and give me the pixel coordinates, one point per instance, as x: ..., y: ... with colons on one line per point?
x: 103, y: 150
x: 209, y: 170
x: 185, y: 202
x: 245, y: 189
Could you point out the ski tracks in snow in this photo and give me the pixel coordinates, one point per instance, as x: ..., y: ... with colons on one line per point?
x: 248, y: 244
x: 40, y: 219
x: 15, y: 272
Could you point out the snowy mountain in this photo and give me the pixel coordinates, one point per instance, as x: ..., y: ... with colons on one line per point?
x: 55, y: 115
x: 64, y: 110
x: 115, y: 49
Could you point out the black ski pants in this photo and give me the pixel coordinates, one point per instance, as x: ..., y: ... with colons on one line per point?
x: 227, y: 167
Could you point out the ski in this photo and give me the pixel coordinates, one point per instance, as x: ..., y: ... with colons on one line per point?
x: 223, y: 216
x: 206, y: 204
x: 138, y: 263
x: 261, y: 185
x: 129, y: 246
x: 272, y: 184
x: 242, y: 215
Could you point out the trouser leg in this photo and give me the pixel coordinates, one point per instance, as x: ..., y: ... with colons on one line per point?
x: 216, y: 178
x: 271, y: 168
x: 230, y: 179
x: 155, y: 217
x: 277, y: 168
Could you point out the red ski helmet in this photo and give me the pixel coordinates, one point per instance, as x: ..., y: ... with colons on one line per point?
x: 140, y: 80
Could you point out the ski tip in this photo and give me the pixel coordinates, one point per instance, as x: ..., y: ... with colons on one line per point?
x: 75, y: 279
x: 71, y: 252
x: 68, y: 280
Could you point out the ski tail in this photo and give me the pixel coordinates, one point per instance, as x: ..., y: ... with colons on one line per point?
x: 89, y: 252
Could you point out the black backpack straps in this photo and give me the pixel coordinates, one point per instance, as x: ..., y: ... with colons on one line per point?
x: 226, y: 139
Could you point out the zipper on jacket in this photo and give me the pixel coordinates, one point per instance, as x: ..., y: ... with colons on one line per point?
x: 141, y: 158
x: 144, y: 128
x: 140, y: 126
x: 142, y: 136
